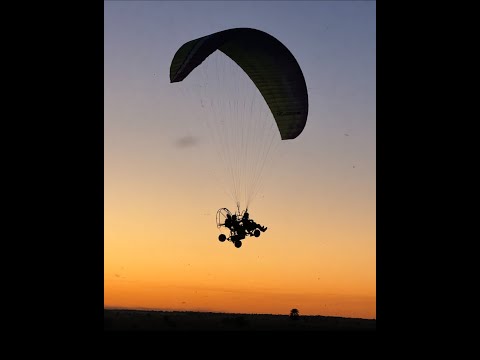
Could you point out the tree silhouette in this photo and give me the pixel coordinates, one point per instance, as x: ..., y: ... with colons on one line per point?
x: 294, y: 314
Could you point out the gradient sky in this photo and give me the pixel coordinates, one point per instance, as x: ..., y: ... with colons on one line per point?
x: 319, y: 197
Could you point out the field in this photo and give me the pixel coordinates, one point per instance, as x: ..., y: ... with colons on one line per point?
x: 196, y: 321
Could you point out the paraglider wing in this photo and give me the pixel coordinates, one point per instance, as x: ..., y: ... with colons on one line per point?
x: 269, y: 64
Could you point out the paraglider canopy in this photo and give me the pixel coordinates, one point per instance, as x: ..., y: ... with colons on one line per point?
x: 269, y: 64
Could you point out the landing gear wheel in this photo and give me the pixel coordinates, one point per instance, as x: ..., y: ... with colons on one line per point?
x: 238, y: 244
x: 256, y: 233
x: 222, y: 237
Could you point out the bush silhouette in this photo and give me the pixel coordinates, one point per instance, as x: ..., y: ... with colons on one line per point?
x: 294, y: 314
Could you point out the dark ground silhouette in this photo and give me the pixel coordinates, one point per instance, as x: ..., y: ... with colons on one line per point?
x: 187, y: 320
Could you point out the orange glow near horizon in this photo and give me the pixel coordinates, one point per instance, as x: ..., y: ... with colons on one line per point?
x: 153, y: 261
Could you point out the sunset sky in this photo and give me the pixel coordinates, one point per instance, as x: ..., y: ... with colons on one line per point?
x: 163, y: 172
